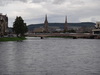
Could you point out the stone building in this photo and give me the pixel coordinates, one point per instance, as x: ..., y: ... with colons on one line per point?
x: 96, y: 30
x: 46, y: 25
x: 3, y: 24
x: 65, y: 25
x: 38, y: 30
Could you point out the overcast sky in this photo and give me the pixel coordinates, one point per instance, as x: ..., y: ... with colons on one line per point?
x: 34, y: 11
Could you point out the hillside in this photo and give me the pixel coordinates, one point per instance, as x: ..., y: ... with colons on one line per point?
x: 61, y: 25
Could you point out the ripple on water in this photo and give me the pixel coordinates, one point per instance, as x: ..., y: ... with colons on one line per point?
x: 50, y: 56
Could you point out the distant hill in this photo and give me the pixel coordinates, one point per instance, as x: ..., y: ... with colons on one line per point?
x: 61, y: 25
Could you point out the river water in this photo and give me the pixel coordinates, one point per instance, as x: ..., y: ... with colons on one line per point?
x: 50, y: 56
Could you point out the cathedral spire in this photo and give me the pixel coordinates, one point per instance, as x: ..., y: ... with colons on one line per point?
x: 65, y: 25
x: 46, y: 24
x: 46, y: 18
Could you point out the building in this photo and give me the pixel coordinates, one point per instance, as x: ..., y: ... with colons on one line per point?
x: 3, y: 24
x: 46, y: 25
x: 65, y: 25
x: 96, y: 30
x: 38, y: 30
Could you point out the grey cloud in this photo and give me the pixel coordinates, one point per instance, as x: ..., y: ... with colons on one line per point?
x: 17, y: 0
x: 5, y: 2
x: 49, y: 1
x: 58, y: 1
x: 77, y: 2
x: 72, y: 1
x: 22, y: 0
x: 39, y: 1
x: 93, y: 19
x: 76, y: 10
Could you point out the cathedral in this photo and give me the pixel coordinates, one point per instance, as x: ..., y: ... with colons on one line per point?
x: 3, y: 24
x: 65, y: 25
x: 46, y: 27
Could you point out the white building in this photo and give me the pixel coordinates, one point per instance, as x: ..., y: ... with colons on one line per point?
x: 96, y: 31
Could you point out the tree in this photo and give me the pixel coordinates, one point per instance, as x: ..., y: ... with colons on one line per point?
x: 19, y: 26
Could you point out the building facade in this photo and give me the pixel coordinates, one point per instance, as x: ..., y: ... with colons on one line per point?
x: 3, y: 24
x: 96, y: 30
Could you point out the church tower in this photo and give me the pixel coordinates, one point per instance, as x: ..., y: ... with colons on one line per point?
x: 3, y: 24
x: 65, y: 25
x: 46, y: 24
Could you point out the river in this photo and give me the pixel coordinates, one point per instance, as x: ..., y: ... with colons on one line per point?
x: 50, y: 56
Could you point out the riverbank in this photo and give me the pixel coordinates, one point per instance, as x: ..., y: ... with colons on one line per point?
x: 59, y: 35
x: 12, y: 39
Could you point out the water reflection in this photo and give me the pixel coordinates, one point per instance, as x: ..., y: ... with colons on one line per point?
x: 50, y: 56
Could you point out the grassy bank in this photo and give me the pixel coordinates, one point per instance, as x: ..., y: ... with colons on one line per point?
x: 12, y: 38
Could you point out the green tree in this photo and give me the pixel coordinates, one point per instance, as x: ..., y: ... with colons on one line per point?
x: 19, y: 26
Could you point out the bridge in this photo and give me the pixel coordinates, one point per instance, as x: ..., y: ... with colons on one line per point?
x: 74, y: 35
